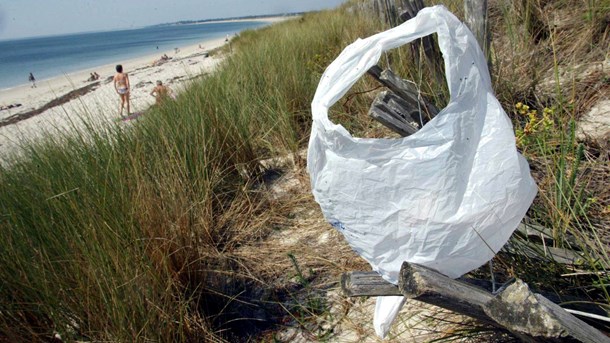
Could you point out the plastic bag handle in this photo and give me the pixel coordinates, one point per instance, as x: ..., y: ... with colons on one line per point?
x: 361, y: 55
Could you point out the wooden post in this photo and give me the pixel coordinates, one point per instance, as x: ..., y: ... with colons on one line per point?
x: 475, y: 13
x: 410, y: 8
x: 386, y: 11
x: 377, y: 9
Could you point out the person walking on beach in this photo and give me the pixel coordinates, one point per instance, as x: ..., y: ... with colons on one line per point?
x: 160, y: 92
x: 32, y: 79
x: 121, y: 85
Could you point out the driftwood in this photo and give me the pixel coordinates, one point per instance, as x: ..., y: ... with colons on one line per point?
x: 395, y: 113
x: 406, y: 90
x: 529, y: 316
x: 401, y: 109
x: 357, y: 284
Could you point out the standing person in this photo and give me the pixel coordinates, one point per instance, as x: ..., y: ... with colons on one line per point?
x: 32, y: 79
x: 121, y: 85
x: 160, y: 92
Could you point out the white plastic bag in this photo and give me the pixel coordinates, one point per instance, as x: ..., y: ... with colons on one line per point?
x: 447, y: 197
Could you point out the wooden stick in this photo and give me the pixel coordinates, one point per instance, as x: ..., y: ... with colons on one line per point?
x: 530, y: 317
x: 356, y: 284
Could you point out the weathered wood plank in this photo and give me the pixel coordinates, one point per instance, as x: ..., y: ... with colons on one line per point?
x: 410, y: 10
x: 357, y: 284
x: 401, y: 109
x: 372, y: 284
x: 406, y: 90
x: 542, y: 252
x: 395, y: 113
x: 541, y: 234
x: 386, y: 11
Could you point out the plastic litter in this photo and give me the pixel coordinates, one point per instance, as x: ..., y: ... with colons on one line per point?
x: 447, y: 197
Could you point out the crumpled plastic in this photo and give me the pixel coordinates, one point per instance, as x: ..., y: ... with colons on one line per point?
x: 447, y: 197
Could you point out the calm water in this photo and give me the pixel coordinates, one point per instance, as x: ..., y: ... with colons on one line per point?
x: 57, y: 55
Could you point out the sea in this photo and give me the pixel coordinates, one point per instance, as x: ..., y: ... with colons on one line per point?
x: 52, y: 56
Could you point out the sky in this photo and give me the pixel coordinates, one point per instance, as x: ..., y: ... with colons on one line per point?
x: 30, y: 18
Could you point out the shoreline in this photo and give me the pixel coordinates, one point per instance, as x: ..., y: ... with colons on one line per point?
x: 51, y: 88
x: 100, y: 105
x: 269, y: 20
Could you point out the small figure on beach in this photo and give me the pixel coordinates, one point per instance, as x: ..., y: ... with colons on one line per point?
x: 161, y: 60
x: 161, y: 92
x: 93, y: 76
x: 32, y: 79
x: 121, y: 85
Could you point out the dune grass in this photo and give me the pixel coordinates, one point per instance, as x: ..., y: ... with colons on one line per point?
x: 545, y: 87
x: 127, y: 233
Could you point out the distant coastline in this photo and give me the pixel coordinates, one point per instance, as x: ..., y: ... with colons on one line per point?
x: 270, y: 17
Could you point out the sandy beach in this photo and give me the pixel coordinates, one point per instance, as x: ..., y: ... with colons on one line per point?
x: 61, y: 102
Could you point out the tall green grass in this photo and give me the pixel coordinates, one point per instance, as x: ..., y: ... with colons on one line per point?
x: 126, y: 233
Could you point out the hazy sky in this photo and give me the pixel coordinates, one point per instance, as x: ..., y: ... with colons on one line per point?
x: 25, y: 18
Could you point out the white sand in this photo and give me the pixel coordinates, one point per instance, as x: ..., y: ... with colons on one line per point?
x: 101, y: 106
